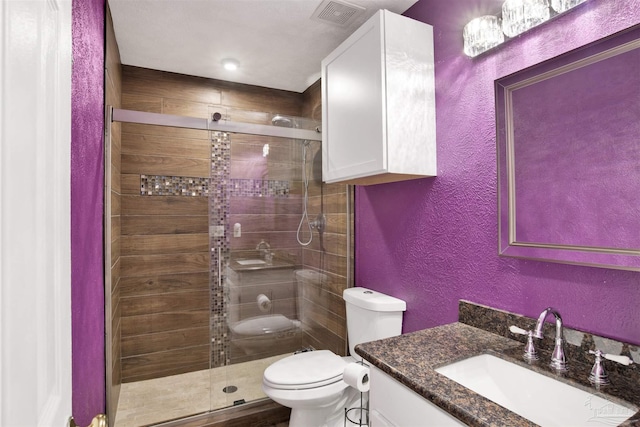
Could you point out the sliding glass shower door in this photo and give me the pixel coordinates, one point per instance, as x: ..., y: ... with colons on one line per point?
x: 259, y: 213
x: 162, y: 315
x: 232, y: 254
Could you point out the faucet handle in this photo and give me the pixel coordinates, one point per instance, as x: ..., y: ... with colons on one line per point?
x: 598, y: 375
x: 623, y: 360
x: 530, y: 354
x: 515, y: 330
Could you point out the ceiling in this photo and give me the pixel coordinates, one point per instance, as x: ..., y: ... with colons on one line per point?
x: 277, y: 42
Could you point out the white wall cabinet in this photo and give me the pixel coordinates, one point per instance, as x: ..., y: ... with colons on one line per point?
x: 378, y: 103
x: 392, y: 404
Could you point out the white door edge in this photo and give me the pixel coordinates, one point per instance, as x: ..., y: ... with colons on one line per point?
x: 35, y: 213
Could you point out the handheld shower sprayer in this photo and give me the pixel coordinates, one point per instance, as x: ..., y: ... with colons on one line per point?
x: 319, y: 223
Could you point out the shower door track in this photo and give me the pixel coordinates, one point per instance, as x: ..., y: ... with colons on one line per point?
x: 141, y: 117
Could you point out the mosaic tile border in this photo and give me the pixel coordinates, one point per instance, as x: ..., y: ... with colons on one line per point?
x: 162, y: 185
x: 259, y: 188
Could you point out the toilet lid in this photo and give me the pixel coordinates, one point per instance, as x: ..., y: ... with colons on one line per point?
x: 305, y: 370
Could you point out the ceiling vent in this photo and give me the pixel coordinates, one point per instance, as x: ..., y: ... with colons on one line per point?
x: 337, y: 12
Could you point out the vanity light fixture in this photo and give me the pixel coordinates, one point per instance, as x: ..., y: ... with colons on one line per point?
x: 230, y: 64
x: 519, y: 16
x: 482, y: 34
x: 486, y: 32
x: 561, y: 6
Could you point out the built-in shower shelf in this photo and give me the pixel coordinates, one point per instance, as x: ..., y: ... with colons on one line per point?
x: 250, y: 261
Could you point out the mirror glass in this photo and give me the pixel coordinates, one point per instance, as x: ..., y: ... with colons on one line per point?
x: 568, y: 141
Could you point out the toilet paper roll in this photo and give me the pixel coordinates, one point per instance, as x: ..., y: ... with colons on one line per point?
x: 356, y: 376
x: 264, y: 303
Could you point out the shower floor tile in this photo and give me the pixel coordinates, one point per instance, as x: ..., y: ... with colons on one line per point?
x: 161, y: 399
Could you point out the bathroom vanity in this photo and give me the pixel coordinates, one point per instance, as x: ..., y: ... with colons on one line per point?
x: 406, y: 366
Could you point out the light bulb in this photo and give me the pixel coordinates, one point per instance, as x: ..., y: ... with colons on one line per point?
x: 481, y: 34
x: 561, y: 6
x: 519, y: 16
x: 230, y: 64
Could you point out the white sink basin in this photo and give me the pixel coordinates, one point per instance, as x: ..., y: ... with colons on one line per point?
x: 250, y: 261
x: 536, y: 397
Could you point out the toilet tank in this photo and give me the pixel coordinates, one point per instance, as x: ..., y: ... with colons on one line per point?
x: 371, y: 316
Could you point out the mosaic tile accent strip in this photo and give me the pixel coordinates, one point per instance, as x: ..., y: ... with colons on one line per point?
x: 160, y: 185
x: 259, y: 188
x: 220, y: 245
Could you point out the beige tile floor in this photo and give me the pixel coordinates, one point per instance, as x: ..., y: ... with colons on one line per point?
x: 161, y: 399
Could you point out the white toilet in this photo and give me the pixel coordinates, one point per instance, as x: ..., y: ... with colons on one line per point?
x: 311, y: 383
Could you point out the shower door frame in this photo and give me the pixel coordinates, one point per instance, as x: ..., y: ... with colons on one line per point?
x: 221, y: 125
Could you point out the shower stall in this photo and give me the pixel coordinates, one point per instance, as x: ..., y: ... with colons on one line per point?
x: 232, y: 254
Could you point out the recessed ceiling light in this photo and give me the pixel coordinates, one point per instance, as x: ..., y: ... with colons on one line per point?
x: 230, y: 64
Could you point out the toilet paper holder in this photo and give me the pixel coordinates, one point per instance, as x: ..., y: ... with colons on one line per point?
x: 264, y: 302
x: 359, y: 415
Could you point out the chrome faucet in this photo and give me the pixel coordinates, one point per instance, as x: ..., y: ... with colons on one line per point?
x: 263, y: 246
x: 558, y: 358
x: 265, y: 249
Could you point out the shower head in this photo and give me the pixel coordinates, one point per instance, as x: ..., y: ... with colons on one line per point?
x: 282, y: 121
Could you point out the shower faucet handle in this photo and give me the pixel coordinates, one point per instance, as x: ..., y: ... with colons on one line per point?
x: 319, y: 223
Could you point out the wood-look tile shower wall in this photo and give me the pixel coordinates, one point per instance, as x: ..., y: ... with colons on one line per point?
x: 163, y: 309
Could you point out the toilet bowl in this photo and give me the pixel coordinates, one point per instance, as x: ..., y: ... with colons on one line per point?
x: 260, y: 333
x: 312, y: 384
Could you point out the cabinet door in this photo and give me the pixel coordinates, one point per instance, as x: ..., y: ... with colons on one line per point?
x: 353, y: 106
x: 393, y: 404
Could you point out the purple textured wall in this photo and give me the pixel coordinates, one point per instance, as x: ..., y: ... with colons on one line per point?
x: 87, y: 177
x: 434, y: 241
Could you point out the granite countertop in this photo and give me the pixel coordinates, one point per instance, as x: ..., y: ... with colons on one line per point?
x: 412, y: 358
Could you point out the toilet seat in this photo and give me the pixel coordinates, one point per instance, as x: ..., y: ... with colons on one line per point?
x: 305, y: 371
